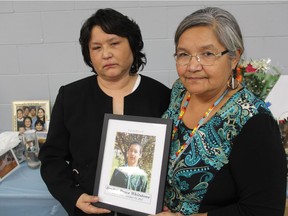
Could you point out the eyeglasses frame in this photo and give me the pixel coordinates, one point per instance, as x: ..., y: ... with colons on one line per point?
x: 198, y: 58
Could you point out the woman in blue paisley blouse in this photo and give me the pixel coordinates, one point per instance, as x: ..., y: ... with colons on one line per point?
x: 226, y: 155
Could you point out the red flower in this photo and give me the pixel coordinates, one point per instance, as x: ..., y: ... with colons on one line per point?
x: 250, y: 69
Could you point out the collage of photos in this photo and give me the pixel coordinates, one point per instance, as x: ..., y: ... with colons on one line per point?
x: 32, y: 115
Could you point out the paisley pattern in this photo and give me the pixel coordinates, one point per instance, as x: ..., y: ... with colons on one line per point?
x: 190, y: 174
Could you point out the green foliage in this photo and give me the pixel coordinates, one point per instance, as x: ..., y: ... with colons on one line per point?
x: 260, y: 83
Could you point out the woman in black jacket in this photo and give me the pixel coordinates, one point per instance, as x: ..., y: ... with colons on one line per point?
x: 111, y: 45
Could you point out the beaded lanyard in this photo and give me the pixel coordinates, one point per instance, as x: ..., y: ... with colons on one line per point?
x: 182, y: 112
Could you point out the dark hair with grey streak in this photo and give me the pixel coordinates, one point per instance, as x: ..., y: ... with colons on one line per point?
x: 222, y: 22
x: 113, y: 22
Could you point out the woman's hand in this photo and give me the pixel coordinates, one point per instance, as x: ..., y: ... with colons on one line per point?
x: 85, y: 204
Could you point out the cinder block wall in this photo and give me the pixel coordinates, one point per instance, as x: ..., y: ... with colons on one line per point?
x: 39, y: 48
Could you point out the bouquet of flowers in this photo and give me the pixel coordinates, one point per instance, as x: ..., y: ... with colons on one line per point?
x: 258, y: 76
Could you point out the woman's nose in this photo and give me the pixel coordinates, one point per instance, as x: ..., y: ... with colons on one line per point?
x: 106, y: 53
x: 194, y: 64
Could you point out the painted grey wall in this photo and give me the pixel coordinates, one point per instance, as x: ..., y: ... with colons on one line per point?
x: 39, y: 48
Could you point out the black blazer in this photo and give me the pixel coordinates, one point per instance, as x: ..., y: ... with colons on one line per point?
x: 69, y: 156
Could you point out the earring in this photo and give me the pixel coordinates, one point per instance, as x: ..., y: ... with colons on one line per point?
x: 231, y: 84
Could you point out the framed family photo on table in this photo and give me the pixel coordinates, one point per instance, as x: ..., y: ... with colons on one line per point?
x: 132, y: 164
x: 28, y: 115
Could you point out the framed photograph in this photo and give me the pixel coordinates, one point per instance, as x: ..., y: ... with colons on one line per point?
x: 28, y: 115
x: 8, y: 164
x: 132, y: 164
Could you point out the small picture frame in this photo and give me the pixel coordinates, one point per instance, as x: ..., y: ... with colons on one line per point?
x: 41, y: 136
x: 8, y: 164
x: 132, y: 164
x: 27, y: 115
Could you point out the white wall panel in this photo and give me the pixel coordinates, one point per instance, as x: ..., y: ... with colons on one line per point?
x: 39, y: 49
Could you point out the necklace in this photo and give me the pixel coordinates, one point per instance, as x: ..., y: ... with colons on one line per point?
x: 182, y: 112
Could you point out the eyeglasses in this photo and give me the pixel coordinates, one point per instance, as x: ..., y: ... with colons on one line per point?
x: 206, y: 58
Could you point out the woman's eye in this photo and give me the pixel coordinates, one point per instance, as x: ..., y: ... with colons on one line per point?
x: 207, y: 54
x: 114, y: 43
x: 96, y: 48
x: 180, y: 55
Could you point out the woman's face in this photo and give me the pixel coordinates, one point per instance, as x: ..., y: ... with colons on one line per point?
x: 19, y: 114
x: 40, y: 113
x: 110, y: 54
x: 26, y: 112
x: 27, y: 122
x: 198, y: 79
x: 38, y: 127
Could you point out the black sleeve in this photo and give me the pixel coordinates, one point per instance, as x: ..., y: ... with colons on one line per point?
x: 54, y: 155
x: 259, y: 169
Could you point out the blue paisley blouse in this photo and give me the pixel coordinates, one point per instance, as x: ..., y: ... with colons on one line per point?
x: 192, y: 175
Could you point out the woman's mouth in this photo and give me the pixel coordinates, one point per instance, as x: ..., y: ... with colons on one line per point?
x: 109, y: 66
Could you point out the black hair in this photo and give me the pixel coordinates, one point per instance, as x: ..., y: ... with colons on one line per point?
x: 44, y: 119
x: 42, y: 123
x: 26, y: 107
x: 19, y: 109
x: 27, y: 117
x: 136, y: 143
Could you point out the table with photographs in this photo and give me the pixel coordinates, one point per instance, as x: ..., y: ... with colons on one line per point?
x: 24, y: 193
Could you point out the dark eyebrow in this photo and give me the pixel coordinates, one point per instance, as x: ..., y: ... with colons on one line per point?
x: 113, y: 38
x: 181, y: 49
